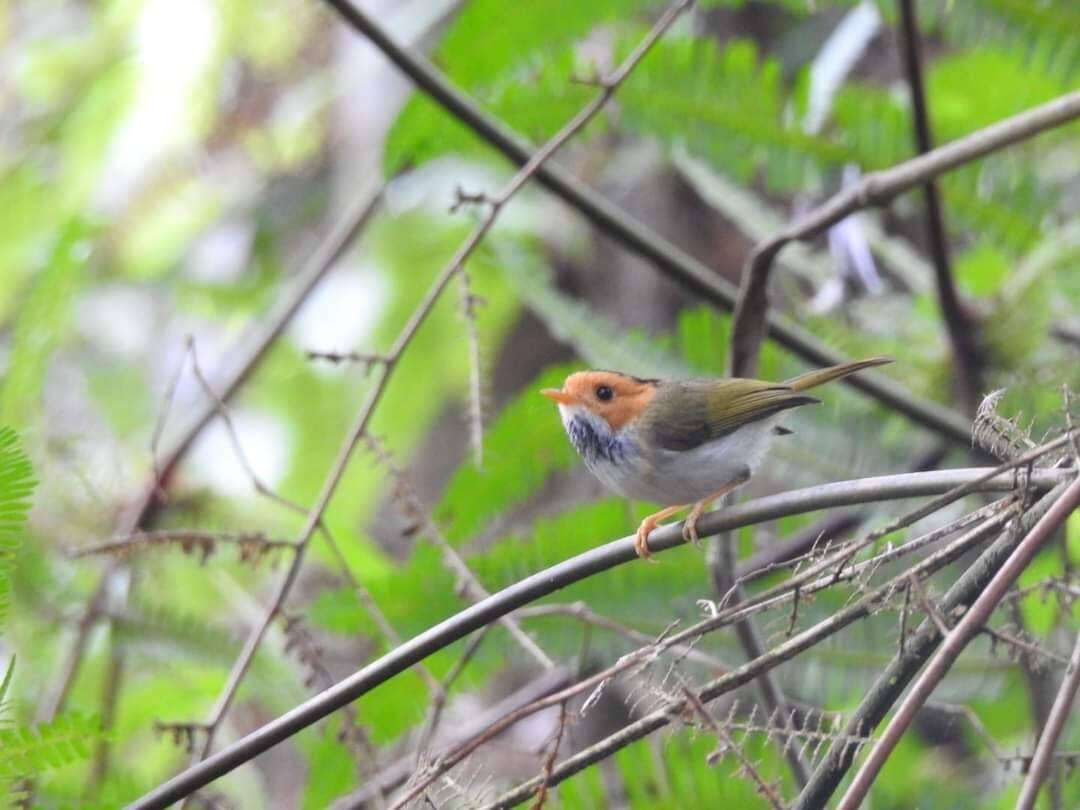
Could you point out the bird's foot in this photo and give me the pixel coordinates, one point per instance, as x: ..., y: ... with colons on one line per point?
x: 689, y: 528
x: 641, y: 539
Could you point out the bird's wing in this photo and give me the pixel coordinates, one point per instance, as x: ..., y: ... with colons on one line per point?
x: 690, y: 413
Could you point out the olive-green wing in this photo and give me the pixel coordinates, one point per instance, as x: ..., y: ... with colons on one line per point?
x: 688, y: 413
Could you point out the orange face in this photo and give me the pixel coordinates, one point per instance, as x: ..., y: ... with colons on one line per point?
x: 614, y: 397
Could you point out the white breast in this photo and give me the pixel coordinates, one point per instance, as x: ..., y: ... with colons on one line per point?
x: 671, y: 477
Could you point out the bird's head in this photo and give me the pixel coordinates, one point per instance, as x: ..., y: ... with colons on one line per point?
x: 605, y: 398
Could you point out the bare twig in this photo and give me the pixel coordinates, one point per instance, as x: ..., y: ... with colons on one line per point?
x: 438, y: 704
x: 395, y: 774
x: 728, y: 744
x: 468, y: 583
x: 878, y: 188
x: 469, y: 302
x: 582, y: 612
x: 252, y: 546
x: 365, y: 359
x: 1055, y: 722
x: 960, y: 327
x: 549, y: 761
x: 955, y: 642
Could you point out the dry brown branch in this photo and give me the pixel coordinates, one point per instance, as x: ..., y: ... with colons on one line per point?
x: 469, y: 303
x: 253, y: 547
x: 959, y: 325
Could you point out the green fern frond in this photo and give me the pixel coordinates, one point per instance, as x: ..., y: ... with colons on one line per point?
x: 26, y: 751
x: 726, y: 104
x: 1042, y: 34
x: 488, y: 39
x: 16, y: 486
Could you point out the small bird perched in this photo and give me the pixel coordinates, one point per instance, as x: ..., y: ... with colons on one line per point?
x: 679, y: 442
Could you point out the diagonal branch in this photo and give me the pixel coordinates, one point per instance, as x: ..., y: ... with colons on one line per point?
x: 1059, y: 713
x: 589, y: 563
x: 640, y: 239
x: 956, y: 640
x: 878, y: 188
x: 960, y: 327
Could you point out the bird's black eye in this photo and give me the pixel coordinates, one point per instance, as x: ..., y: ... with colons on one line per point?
x: 604, y: 393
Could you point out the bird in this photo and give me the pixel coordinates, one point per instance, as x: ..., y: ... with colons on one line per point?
x: 682, y: 443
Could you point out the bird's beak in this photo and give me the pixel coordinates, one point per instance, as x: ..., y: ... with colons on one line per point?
x: 558, y: 395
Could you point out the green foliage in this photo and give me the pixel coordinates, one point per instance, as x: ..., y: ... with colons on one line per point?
x: 331, y: 769
x: 16, y: 486
x: 42, y: 324
x: 28, y: 751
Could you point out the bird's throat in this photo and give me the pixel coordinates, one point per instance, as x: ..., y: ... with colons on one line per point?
x: 596, y: 443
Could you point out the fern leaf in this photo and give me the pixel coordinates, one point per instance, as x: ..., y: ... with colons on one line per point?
x: 26, y: 751
x: 16, y: 486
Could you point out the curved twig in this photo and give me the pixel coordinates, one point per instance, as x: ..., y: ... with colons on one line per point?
x: 878, y: 188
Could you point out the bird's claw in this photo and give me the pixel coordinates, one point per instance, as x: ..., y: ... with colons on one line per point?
x: 689, y: 531
x: 641, y: 540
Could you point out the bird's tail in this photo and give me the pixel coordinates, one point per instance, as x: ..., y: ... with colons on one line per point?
x: 819, y: 376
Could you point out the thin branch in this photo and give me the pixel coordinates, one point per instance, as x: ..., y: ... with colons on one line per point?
x: 955, y: 642
x: 722, y: 734
x: 252, y: 545
x: 469, y: 302
x: 468, y: 583
x: 583, y: 613
x: 960, y: 328
x: 640, y: 239
x: 438, y: 704
x: 589, y: 563
x: 877, y: 188
x: 549, y: 761
x: 1055, y: 722
x: 395, y: 774
x: 721, y: 564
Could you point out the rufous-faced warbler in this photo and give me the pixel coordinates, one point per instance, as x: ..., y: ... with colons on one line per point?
x: 680, y: 443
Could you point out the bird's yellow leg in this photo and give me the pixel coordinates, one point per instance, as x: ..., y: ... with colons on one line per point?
x: 689, y: 529
x: 641, y: 541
